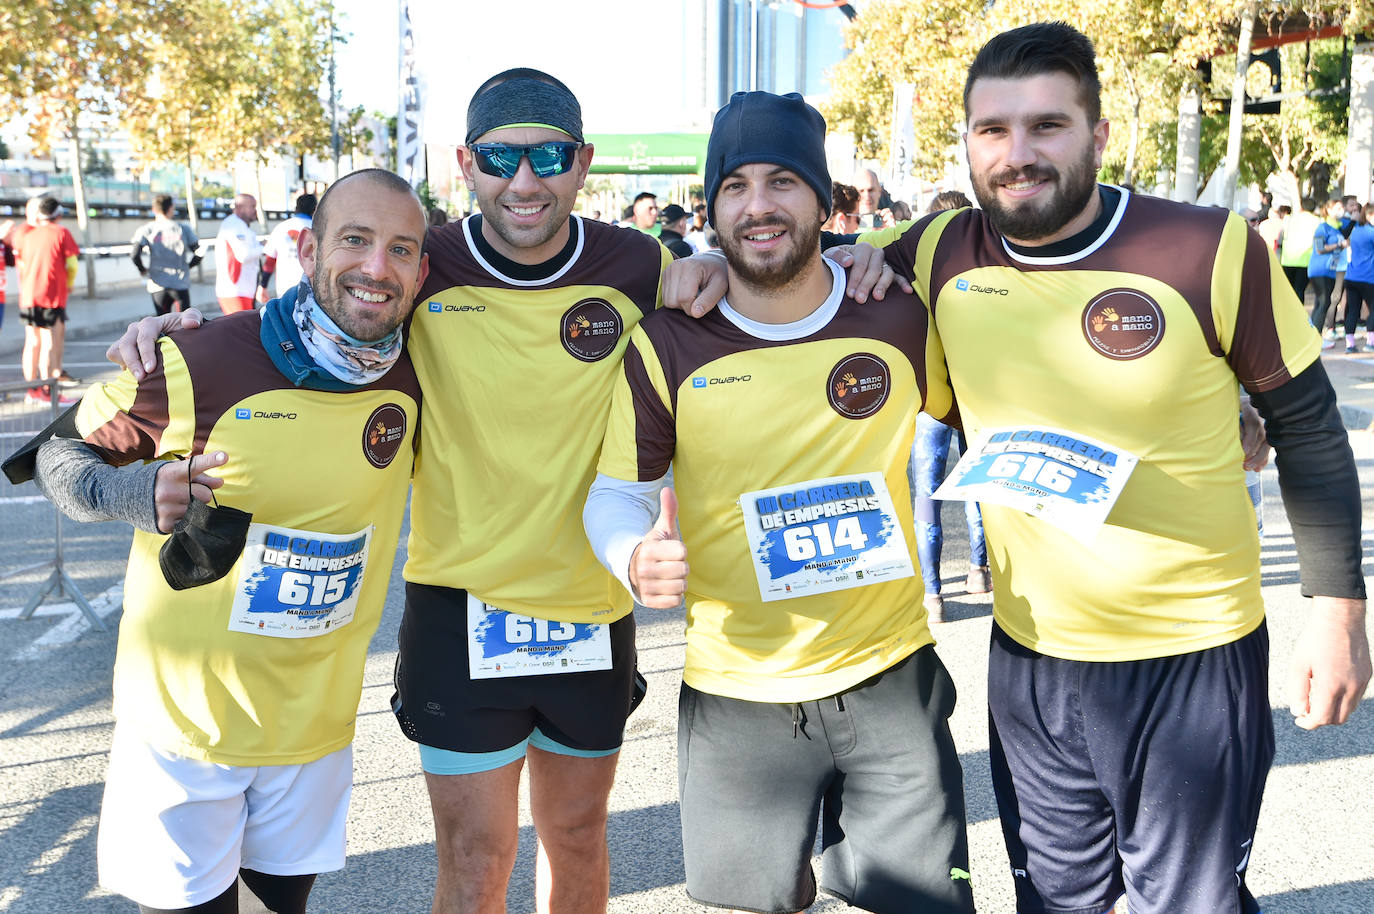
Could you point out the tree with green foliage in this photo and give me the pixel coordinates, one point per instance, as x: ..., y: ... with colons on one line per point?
x: 356, y: 136
x: 927, y: 44
x: 1147, y: 51
x: 233, y: 78
x: 61, y: 59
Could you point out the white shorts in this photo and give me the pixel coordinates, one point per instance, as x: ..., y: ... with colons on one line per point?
x: 174, y: 831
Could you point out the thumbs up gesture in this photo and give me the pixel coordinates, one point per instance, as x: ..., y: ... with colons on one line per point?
x: 658, y: 567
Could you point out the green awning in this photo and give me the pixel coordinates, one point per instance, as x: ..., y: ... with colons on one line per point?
x: 648, y: 153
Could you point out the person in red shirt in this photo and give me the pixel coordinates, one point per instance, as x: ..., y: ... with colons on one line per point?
x: 46, y: 255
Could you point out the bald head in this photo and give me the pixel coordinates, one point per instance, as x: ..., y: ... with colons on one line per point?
x: 870, y: 191
x: 364, y: 252
x: 246, y: 207
x: 379, y: 177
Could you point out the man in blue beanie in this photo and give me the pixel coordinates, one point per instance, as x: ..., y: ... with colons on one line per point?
x: 811, y: 678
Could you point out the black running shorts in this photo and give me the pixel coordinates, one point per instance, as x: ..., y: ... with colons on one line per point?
x: 437, y: 704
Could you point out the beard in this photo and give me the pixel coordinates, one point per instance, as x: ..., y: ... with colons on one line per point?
x: 775, y: 269
x: 1034, y: 220
x: 369, y: 327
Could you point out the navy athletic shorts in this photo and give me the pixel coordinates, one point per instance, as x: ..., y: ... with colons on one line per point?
x: 1142, y: 776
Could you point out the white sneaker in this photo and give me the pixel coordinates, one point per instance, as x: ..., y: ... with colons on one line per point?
x: 979, y: 579
x: 935, y: 607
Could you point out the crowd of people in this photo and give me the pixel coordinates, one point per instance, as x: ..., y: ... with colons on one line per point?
x: 591, y: 417
x: 1326, y: 248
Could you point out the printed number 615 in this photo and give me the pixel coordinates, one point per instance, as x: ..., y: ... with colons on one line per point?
x: 523, y: 629
x: 298, y: 589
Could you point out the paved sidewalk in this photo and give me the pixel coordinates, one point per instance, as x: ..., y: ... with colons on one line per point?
x: 122, y: 298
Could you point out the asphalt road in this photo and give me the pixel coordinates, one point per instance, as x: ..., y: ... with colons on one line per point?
x: 1314, y: 853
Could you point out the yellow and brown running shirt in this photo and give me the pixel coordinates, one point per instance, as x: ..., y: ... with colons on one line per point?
x: 520, y: 373
x: 329, y: 463
x: 738, y: 407
x: 1137, y: 340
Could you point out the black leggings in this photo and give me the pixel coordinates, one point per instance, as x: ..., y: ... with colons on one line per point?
x: 1356, y: 294
x: 1297, y: 278
x: 278, y: 895
x: 1322, y: 300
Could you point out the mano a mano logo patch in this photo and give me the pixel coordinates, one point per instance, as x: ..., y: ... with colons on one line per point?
x: 858, y: 385
x: 1123, y: 324
x: 590, y: 329
x: 383, y: 434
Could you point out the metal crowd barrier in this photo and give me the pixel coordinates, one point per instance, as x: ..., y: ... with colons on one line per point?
x: 28, y: 515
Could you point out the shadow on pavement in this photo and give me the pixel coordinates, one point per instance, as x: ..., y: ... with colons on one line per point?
x: 50, y: 851
x: 1340, y: 898
x: 401, y: 879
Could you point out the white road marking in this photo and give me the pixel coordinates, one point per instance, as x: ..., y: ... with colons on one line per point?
x: 70, y: 628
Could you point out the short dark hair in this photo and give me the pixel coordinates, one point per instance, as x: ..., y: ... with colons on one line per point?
x: 387, y: 179
x: 642, y: 194
x: 305, y: 204
x: 163, y: 203
x: 949, y: 199
x: 844, y: 198
x: 1034, y: 50
x: 1309, y: 204
x: 48, y: 206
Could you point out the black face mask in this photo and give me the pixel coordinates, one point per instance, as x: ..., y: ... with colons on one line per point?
x: 204, y: 546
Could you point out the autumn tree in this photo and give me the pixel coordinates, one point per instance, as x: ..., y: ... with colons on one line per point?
x: 176, y: 118
x: 928, y: 44
x: 276, y: 103
x: 62, y: 59
x: 1147, y: 50
x: 233, y: 78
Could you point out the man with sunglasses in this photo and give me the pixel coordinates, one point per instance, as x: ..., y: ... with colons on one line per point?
x: 518, y: 334
x: 517, y: 647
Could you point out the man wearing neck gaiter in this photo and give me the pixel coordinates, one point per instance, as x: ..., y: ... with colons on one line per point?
x: 235, y: 700
x: 517, y: 646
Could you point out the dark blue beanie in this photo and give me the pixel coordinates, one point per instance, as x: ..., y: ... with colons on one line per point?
x: 763, y: 127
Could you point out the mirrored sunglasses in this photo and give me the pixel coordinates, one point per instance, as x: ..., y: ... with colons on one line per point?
x: 502, y: 160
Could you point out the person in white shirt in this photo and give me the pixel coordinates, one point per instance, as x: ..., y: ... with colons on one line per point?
x: 280, y: 260
x: 238, y: 257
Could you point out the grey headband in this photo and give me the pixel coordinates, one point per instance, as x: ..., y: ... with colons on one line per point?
x: 518, y: 99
